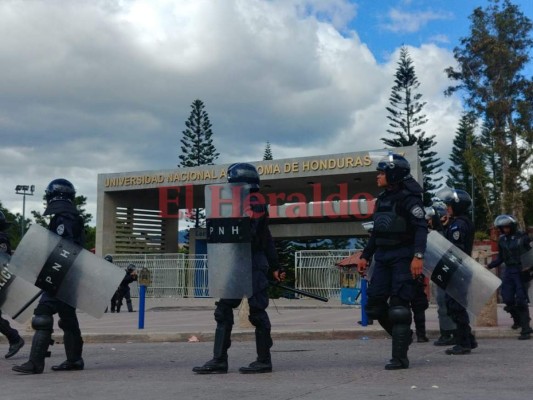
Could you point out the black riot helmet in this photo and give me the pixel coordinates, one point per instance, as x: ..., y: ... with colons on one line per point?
x: 130, y: 268
x: 243, y: 173
x: 4, y: 224
x: 60, y: 189
x: 459, y: 200
x: 109, y: 258
x: 395, y: 167
x: 505, y: 220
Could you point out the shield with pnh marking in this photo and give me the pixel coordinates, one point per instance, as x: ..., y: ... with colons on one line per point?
x: 16, y: 294
x: 459, y: 275
x: 65, y: 270
x: 229, y: 250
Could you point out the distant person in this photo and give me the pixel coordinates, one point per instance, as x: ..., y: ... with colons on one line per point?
x: 512, y: 243
x: 123, y: 291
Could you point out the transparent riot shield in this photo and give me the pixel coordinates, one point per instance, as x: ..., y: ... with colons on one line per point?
x: 65, y: 270
x: 229, y: 250
x: 459, y: 275
x: 16, y: 295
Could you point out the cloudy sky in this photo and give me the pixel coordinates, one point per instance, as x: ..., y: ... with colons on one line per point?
x: 98, y: 86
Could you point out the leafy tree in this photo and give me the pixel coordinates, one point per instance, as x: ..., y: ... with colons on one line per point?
x: 406, y: 121
x: 13, y: 232
x: 268, y: 152
x: 197, y: 148
x: 489, y: 75
x: 79, y: 202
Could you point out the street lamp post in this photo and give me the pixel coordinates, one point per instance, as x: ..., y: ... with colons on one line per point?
x: 24, y: 190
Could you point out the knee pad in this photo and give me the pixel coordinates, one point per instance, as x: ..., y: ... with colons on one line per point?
x: 376, y: 307
x: 223, y: 313
x: 400, y: 315
x: 42, y: 322
x: 259, y: 318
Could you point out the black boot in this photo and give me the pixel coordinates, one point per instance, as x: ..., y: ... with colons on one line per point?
x: 447, y: 338
x: 525, y: 333
x: 263, y: 343
x: 401, y: 338
x: 219, y: 363
x: 39, y: 350
x: 73, y: 348
x: 130, y: 306
x: 14, y: 347
x: 464, y: 339
x: 420, y: 326
x: 515, y: 315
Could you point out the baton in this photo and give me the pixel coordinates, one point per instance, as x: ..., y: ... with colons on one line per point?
x: 302, y: 292
x: 29, y: 303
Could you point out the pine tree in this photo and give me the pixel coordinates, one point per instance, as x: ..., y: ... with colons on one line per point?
x: 268, y: 152
x: 489, y: 74
x: 197, y: 148
x: 197, y: 144
x: 468, y: 170
x: 406, y: 121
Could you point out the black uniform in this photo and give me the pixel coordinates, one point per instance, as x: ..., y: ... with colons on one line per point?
x: 460, y: 232
x: 66, y: 222
x: 123, y: 292
x: 264, y: 256
x: 12, y: 335
x: 400, y: 231
x: 514, y: 289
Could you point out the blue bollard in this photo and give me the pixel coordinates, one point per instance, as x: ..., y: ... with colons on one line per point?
x: 364, y: 299
x: 142, y: 296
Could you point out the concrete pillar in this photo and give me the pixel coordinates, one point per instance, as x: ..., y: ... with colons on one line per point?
x: 489, y: 314
x: 244, y: 312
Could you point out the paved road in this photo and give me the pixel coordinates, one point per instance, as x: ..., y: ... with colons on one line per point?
x: 306, y: 370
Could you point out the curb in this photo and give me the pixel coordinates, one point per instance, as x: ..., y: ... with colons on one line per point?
x: 243, y: 336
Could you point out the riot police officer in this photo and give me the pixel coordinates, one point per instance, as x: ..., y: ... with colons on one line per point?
x: 438, y: 219
x: 15, y: 340
x: 66, y: 222
x: 123, y: 291
x: 460, y: 232
x: 397, y: 243
x: 263, y: 257
x: 511, y: 245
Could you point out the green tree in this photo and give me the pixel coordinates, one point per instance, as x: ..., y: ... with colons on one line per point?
x: 80, y: 202
x: 268, y: 152
x: 489, y: 75
x: 197, y: 148
x: 406, y: 121
x: 468, y: 171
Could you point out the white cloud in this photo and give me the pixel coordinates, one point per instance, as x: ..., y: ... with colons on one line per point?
x: 403, y: 21
x: 106, y: 86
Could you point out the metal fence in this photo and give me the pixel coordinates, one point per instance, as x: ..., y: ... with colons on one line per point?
x: 173, y: 275
x: 181, y: 275
x: 315, y: 271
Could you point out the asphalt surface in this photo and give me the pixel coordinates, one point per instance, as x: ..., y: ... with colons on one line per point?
x: 320, y: 352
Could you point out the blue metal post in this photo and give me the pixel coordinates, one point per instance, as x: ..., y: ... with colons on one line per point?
x: 142, y: 295
x: 364, y: 317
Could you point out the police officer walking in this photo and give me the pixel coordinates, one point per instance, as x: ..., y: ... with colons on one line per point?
x: 263, y: 256
x: 460, y: 232
x: 397, y: 243
x: 67, y: 223
x: 15, y: 340
x: 438, y: 221
x: 123, y: 291
x: 511, y: 245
